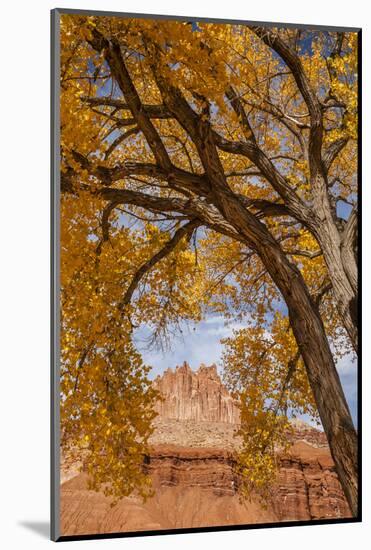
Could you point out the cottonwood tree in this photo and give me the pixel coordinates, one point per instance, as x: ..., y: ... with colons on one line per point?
x: 207, y: 167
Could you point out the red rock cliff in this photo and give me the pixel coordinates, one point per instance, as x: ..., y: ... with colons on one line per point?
x: 197, y: 487
x: 195, y: 395
x: 191, y: 465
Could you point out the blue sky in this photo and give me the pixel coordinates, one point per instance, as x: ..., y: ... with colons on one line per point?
x: 199, y: 343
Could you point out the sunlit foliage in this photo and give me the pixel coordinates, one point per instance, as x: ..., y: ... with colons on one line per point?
x: 127, y: 262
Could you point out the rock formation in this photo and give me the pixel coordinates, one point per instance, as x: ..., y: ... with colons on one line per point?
x: 198, y: 487
x: 191, y: 465
x: 195, y: 395
x: 307, y: 486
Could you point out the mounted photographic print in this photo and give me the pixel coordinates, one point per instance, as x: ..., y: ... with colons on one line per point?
x: 205, y: 288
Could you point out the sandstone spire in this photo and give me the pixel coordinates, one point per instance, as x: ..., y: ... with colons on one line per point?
x: 195, y: 395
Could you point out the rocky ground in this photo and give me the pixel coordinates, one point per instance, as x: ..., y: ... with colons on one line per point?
x: 189, y: 433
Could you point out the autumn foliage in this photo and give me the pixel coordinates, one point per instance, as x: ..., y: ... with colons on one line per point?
x: 206, y: 168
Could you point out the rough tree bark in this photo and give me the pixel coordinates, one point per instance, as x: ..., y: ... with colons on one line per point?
x: 342, y: 270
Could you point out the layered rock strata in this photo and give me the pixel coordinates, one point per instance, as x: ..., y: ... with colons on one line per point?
x: 191, y: 464
x: 199, y: 487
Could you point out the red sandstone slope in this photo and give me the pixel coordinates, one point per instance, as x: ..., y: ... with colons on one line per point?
x: 193, y: 476
x: 197, y: 487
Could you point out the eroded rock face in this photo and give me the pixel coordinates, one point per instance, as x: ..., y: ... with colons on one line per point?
x: 191, y: 464
x: 307, y: 486
x: 305, y: 432
x: 195, y: 395
x: 198, y: 487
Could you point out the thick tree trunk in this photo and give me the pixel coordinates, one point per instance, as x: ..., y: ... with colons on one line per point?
x: 349, y: 250
x: 322, y: 374
x: 345, y: 295
x: 341, y: 264
x: 312, y: 342
x: 305, y: 321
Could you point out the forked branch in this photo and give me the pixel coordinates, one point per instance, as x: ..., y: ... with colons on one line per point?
x: 186, y: 229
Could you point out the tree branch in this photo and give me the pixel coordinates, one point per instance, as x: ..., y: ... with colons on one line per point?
x: 294, y: 204
x: 193, y: 207
x: 152, y: 111
x: 241, y: 114
x: 176, y: 177
x: 112, y: 54
x: 105, y: 225
x: 119, y: 140
x: 293, y: 62
x: 321, y: 292
x: 265, y: 166
x: 332, y: 151
x: 186, y: 229
x: 305, y: 253
x: 264, y: 207
x: 273, y: 110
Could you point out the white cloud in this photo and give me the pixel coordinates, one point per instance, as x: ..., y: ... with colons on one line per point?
x: 197, y: 344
